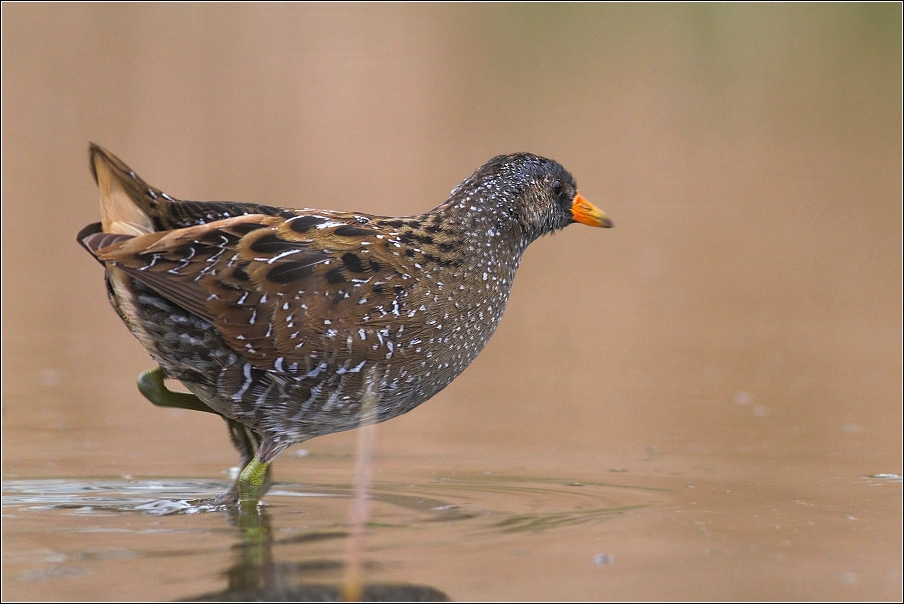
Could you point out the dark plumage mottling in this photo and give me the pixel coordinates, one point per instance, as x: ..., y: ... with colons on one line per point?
x: 276, y: 318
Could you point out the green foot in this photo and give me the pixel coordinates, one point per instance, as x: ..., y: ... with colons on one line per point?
x: 150, y: 384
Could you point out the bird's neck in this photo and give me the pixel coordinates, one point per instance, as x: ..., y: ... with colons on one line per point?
x: 484, y: 225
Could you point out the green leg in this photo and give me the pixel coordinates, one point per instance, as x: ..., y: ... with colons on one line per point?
x: 150, y: 384
x: 255, y: 477
x: 248, y: 442
x: 253, y: 481
x: 244, y: 440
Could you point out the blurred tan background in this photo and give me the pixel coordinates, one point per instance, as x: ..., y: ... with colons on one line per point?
x: 741, y: 321
x: 748, y: 298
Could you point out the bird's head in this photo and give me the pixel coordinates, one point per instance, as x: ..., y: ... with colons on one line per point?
x: 538, y: 194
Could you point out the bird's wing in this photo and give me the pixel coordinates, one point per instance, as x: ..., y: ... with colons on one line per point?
x: 277, y: 289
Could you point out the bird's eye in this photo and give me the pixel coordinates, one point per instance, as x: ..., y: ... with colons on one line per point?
x: 556, y: 187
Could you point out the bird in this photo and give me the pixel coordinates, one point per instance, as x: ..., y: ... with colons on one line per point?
x: 296, y: 323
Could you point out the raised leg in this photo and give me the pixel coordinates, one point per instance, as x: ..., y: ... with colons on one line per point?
x: 150, y: 384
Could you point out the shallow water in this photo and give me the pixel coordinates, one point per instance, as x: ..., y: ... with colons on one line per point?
x: 461, y: 536
x: 701, y: 403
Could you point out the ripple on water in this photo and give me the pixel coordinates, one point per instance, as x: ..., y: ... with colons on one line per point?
x: 498, y: 504
x: 888, y: 477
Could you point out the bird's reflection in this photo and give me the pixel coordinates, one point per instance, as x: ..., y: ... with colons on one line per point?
x: 256, y: 576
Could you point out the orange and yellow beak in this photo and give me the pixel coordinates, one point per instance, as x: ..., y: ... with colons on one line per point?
x: 586, y: 213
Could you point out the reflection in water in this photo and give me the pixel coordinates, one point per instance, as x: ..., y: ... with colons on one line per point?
x: 257, y: 576
x: 312, y: 563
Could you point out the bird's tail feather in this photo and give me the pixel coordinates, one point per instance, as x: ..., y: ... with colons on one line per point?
x: 126, y: 201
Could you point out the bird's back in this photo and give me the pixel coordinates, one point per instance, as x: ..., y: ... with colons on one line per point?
x: 274, y: 316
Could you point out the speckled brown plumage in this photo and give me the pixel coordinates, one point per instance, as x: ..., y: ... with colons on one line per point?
x: 273, y: 317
